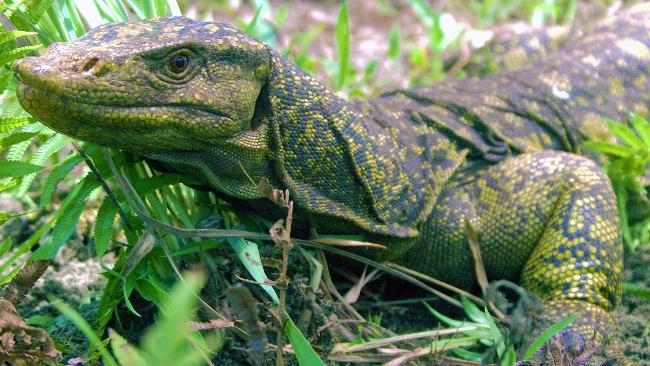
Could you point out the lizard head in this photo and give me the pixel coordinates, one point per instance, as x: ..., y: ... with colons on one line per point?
x: 167, y: 88
x: 214, y: 104
x: 157, y: 85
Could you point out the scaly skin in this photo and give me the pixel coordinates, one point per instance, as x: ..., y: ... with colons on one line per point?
x: 407, y: 168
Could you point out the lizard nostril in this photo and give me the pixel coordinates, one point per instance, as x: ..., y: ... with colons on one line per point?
x: 90, y: 64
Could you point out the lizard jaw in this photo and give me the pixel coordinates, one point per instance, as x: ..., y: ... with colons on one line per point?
x: 126, y: 127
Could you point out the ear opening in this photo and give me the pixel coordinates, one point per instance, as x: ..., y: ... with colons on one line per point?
x: 262, y: 107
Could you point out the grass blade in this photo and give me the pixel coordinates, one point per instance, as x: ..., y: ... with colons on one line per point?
x: 548, y: 333
x: 305, y: 354
x: 636, y: 290
x: 249, y: 255
x: 85, y: 328
x: 625, y: 133
x: 495, y: 333
x: 343, y: 44
x: 642, y: 127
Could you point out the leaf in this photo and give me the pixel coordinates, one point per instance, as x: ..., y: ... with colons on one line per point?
x: 280, y: 16
x: 125, y: 353
x: 443, y: 318
x: 160, y: 7
x: 479, y: 267
x: 473, y: 311
x: 6, y: 185
x: 5, y: 78
x: 175, y: 314
x: 85, y: 328
x: 17, y: 169
x: 103, y: 230
x: 174, y: 9
x: 549, y: 333
x: 253, y: 23
x: 249, y: 255
x: 370, y: 71
x: 4, y: 216
x: 394, y: 43
x: 608, y: 148
x: 622, y: 198
x: 67, y: 218
x: 57, y: 174
x: 625, y: 133
x: 143, y: 247
x: 16, y: 138
x: 497, y: 338
x: 636, y: 290
x: 468, y: 355
x: 13, y: 34
x: 424, y: 12
x: 51, y: 146
x: 10, y: 123
x: 16, y: 53
x: 17, y: 151
x: 343, y: 43
x: 510, y: 358
x: 151, y: 291
x: 150, y: 184
x: 305, y: 354
x: 5, y: 244
x: 6, y: 279
x: 200, y: 246
x: 128, y: 284
x: 112, y: 11
x: 642, y: 127
x: 34, y: 9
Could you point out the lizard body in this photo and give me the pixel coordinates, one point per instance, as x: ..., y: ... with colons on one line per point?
x: 407, y: 168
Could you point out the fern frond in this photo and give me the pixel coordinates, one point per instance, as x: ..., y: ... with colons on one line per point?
x: 104, y: 226
x: 5, y: 78
x: 16, y: 53
x: 67, y: 217
x: 17, y: 151
x: 12, y: 35
x: 57, y: 174
x: 16, y: 138
x: 49, y: 148
x: 17, y: 169
x: 10, y: 123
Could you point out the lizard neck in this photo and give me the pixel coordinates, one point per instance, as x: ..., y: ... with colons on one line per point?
x: 339, y: 161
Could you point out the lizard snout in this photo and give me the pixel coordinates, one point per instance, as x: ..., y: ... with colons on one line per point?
x: 22, y: 68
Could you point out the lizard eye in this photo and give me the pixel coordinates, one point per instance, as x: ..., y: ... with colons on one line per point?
x: 178, y: 67
x: 178, y: 63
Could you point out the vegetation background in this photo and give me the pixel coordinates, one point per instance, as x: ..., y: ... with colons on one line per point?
x: 87, y: 212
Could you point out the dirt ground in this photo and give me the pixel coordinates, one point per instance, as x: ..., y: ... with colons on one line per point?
x: 632, y: 316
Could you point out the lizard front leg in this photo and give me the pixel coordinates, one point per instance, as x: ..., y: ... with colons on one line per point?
x: 546, y: 219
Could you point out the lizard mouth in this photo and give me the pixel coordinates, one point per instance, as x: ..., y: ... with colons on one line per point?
x: 135, y: 128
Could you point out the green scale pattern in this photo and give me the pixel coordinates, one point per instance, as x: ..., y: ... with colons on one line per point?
x: 407, y: 168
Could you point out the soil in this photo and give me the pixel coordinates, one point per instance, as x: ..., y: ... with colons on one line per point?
x: 632, y: 316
